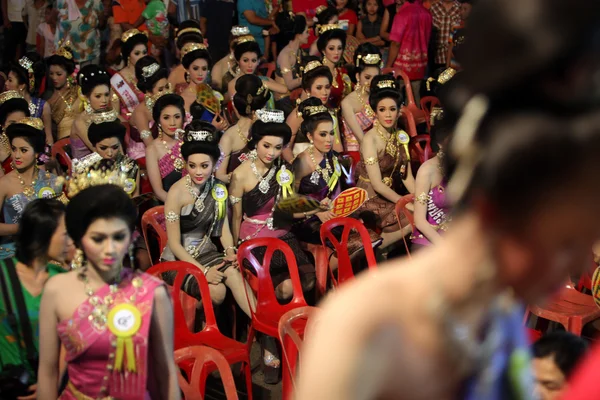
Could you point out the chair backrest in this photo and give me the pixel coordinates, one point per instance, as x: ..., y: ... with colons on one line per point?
x: 401, y: 209
x: 427, y: 104
x: 340, y: 245
x: 183, y: 335
x: 420, y: 146
x: 151, y: 219
x: 409, y: 121
x: 388, y: 70
x: 60, y: 153
x: 265, y: 297
x: 203, y: 356
x: 295, y: 94
x: 267, y: 69
x: 410, y: 96
x: 291, y: 334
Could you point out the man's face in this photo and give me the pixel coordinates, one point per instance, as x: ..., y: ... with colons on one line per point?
x: 550, y: 382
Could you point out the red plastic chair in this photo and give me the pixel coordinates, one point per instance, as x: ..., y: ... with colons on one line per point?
x: 427, y: 104
x: 388, y: 70
x: 151, y: 219
x: 344, y: 271
x: 570, y: 308
x: 268, y: 312
x: 59, y: 152
x: 291, y: 334
x: 202, y: 357
x: 295, y: 94
x: 420, y: 146
x: 267, y: 69
x: 412, y: 106
x: 400, y: 210
x: 233, y: 351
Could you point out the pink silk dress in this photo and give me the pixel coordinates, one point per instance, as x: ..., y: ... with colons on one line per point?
x: 437, y: 213
x: 91, y: 347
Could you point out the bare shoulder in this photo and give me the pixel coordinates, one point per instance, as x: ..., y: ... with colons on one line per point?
x: 349, y: 100
x: 428, y: 166
x: 58, y: 282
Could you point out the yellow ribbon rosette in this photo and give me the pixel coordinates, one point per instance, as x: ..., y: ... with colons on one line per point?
x: 404, y: 140
x: 336, y: 128
x: 285, y: 178
x: 46, y: 193
x: 124, y: 321
x: 337, y: 172
x: 219, y: 193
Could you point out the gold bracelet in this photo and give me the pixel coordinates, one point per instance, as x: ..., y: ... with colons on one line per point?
x: 371, y: 161
x: 172, y: 217
x: 423, y: 198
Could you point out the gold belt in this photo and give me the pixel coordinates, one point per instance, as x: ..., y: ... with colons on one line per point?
x: 80, y: 396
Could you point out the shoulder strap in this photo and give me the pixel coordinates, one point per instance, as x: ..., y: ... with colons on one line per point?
x: 22, y: 310
x: 12, y: 320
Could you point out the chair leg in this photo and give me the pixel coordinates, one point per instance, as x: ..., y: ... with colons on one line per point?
x: 248, y: 373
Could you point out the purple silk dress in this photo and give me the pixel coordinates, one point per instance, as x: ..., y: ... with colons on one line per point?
x: 437, y: 213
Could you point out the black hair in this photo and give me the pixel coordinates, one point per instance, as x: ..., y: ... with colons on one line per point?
x: 166, y: 100
x: 441, y: 131
x: 246, y: 88
x: 565, y: 348
x: 250, y: 46
x: 261, y: 129
x: 362, y: 51
x: 192, y: 56
x: 310, y: 122
x: 67, y: 64
x: 289, y: 26
x: 325, y: 16
x: 377, y: 94
x: 128, y: 46
x: 35, y: 137
x: 105, y: 130
x: 330, y: 35
x: 380, y: 7
x: 12, y: 105
x: 188, y: 37
x: 39, y: 221
x: 22, y: 74
x: 209, y: 145
x: 308, y: 78
x: 92, y: 76
x: 146, y: 84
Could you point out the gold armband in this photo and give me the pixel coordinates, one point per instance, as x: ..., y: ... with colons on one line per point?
x: 371, y: 161
x: 423, y: 198
x: 172, y: 217
x: 234, y: 200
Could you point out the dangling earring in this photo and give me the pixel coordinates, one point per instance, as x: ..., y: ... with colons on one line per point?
x: 187, y: 77
x: 88, y: 108
x: 358, y: 87
x: 131, y: 256
x: 253, y: 155
x: 311, y: 141
x: 77, y: 261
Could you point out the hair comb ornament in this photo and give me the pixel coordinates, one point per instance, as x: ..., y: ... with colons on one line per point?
x: 446, y: 75
x: 244, y: 39
x: 368, y: 59
x: 8, y: 95
x: 62, y: 50
x: 312, y: 65
x: 131, y: 33
x: 312, y: 110
x: 151, y: 100
x: 240, y: 30
x: 388, y: 83
x: 188, y: 30
x: 270, y: 116
x: 328, y: 27
x: 200, y: 136
x: 28, y: 64
x: 150, y: 70
x: 35, y: 123
x: 104, y: 116
x: 320, y: 9
x: 189, y: 47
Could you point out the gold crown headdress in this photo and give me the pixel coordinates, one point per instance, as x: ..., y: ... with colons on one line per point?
x: 368, y: 59
x: 35, y: 123
x: 150, y: 70
x: 320, y: 9
x: 63, y: 51
x: 200, y: 136
x: 131, y: 33
x: 311, y: 65
x: 188, y: 30
x: 8, y: 95
x: 328, y: 27
x: 270, y: 115
x: 151, y: 100
x: 446, y: 75
x: 312, y: 110
x: 113, y: 173
x: 189, y: 47
x: 244, y: 39
x: 240, y: 30
x: 28, y: 64
x: 388, y: 83
x: 104, y: 116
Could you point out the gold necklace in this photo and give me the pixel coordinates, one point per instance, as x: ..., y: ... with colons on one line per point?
x: 240, y: 134
x: 68, y: 104
x: 390, y: 143
x: 335, y: 75
x: 99, y: 315
x: 440, y: 157
x: 368, y: 110
x: 28, y: 190
x: 177, y: 161
x: 326, y: 173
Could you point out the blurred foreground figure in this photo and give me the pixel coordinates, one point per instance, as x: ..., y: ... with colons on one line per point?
x: 447, y: 323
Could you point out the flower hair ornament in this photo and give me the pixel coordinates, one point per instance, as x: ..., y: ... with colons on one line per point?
x: 62, y: 50
x: 369, y: 59
x: 262, y: 91
x: 270, y: 116
x: 239, y: 30
x: 27, y: 64
x: 199, y: 136
x: 464, y: 147
x: 388, y: 83
x: 150, y: 70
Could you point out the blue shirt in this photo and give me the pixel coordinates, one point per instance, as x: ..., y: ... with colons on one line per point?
x: 260, y: 9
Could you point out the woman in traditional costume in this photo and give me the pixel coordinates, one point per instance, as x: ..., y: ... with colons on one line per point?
x: 331, y: 42
x: 116, y: 324
x: 94, y: 82
x: 25, y: 77
x: 188, y: 32
x: 163, y: 156
x: 13, y: 108
x: 289, y: 60
x: 196, y: 212
x: 26, y: 182
x: 250, y: 95
x: 65, y: 102
x: 358, y: 116
x: 384, y: 170
x: 124, y: 83
x: 256, y: 188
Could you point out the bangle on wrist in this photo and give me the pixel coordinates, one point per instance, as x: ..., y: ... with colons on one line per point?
x: 228, y: 248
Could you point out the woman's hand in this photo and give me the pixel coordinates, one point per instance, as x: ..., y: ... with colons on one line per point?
x: 33, y: 393
x: 219, y: 122
x: 325, y: 216
x: 214, y: 276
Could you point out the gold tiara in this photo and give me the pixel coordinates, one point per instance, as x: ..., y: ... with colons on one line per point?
x: 35, y: 123
x: 189, y: 47
x: 329, y: 27
x: 446, y: 75
x: 151, y: 100
x: 312, y: 65
x: 270, y: 115
x: 187, y: 30
x: 104, y: 116
x: 244, y: 39
x: 240, y: 31
x: 131, y: 33
x: 150, y: 70
x: 320, y: 9
x: 8, y: 95
x: 312, y: 110
x: 25, y: 63
x: 114, y: 173
x: 62, y: 50
x: 388, y: 83
x: 369, y: 59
